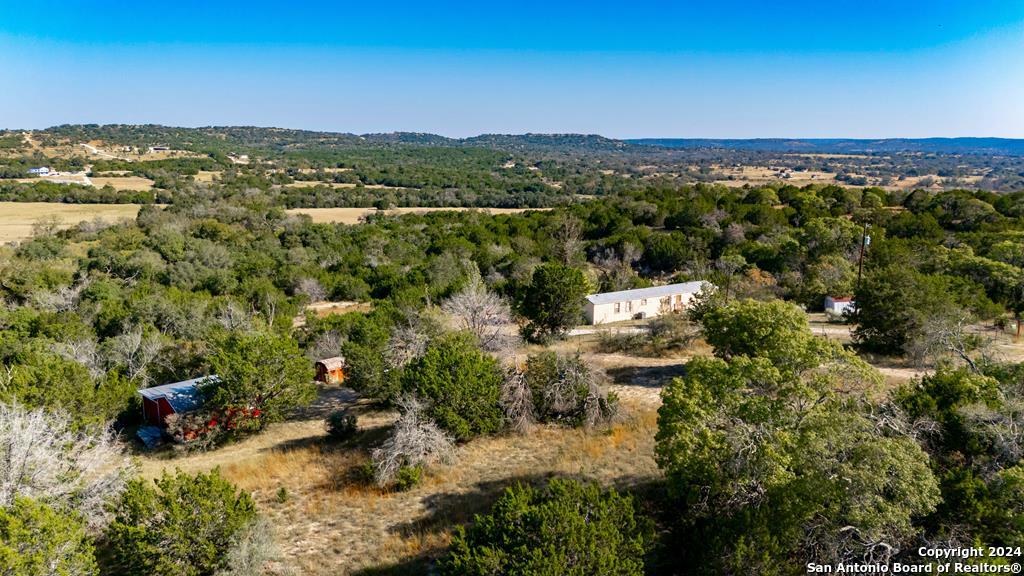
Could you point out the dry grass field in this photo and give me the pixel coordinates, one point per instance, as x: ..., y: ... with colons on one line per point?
x: 354, y: 215
x: 18, y: 218
x: 123, y: 182
x: 207, y: 175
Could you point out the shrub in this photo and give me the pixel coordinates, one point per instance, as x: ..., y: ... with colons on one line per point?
x: 36, y: 540
x: 408, y: 477
x: 774, y: 330
x: 569, y: 528
x: 554, y: 301
x: 415, y: 442
x: 341, y: 424
x: 568, y: 390
x: 462, y: 385
x: 252, y: 551
x: 182, y: 526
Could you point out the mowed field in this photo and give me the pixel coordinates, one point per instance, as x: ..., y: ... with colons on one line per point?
x: 353, y: 215
x: 123, y: 182
x: 17, y: 218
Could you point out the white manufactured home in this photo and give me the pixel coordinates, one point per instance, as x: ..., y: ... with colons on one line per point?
x: 641, y: 302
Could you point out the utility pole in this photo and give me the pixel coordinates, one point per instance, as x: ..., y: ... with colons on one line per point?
x: 865, y: 240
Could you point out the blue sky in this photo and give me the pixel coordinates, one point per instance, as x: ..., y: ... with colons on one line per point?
x: 720, y: 69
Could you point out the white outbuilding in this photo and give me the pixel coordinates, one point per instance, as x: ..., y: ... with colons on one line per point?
x: 838, y: 306
x: 641, y: 302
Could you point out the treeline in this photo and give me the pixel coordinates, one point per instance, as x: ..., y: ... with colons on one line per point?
x: 73, y: 194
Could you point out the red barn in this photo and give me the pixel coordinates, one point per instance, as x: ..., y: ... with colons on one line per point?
x: 330, y: 370
x: 159, y: 402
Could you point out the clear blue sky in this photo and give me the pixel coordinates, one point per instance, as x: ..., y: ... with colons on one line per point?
x: 719, y: 68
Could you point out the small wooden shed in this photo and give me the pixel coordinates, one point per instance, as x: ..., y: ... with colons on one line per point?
x: 330, y: 370
x: 159, y: 402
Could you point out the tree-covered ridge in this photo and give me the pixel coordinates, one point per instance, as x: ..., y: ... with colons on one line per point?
x: 491, y: 169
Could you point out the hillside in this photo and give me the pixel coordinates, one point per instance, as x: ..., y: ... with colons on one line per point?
x: 997, y: 146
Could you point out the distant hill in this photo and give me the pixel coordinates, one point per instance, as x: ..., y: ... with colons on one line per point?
x: 562, y: 142
x: 997, y: 146
x: 222, y: 137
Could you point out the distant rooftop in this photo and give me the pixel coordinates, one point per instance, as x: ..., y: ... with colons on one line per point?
x: 652, y: 292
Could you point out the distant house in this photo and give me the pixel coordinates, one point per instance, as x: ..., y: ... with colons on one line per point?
x: 41, y: 171
x: 159, y: 402
x: 641, y: 302
x: 838, y: 306
x: 330, y: 370
x: 158, y: 149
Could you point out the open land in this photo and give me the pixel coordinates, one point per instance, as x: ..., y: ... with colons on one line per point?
x: 18, y: 218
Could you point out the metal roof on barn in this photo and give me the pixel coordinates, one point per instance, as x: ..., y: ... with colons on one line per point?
x: 652, y: 292
x: 182, y: 396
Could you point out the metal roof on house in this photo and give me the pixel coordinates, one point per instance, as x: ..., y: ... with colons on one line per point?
x: 182, y: 396
x: 652, y: 292
x: 840, y: 298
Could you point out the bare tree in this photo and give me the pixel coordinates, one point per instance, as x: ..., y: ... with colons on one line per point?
x: 62, y: 299
x: 416, y: 441
x: 567, y: 240
x: 232, y: 316
x: 517, y: 401
x: 84, y: 351
x: 311, y: 289
x: 135, y: 351
x: 1002, y: 427
x: 325, y: 345
x: 482, y: 313
x: 617, y: 265
x: 43, y: 457
x: 942, y: 333
x: 407, y: 342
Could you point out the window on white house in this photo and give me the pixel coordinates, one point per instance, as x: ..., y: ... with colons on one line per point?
x: 618, y: 307
x: 643, y: 301
x: 629, y: 306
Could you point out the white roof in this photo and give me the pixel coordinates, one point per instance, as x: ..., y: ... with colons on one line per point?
x: 652, y: 292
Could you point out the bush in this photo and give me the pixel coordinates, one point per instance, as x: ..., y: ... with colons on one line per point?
x: 554, y: 301
x: 408, y: 478
x: 462, y: 384
x: 36, y: 540
x: 568, y: 390
x: 183, y: 526
x: 415, y: 442
x: 569, y: 528
x: 774, y: 330
x: 341, y: 424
